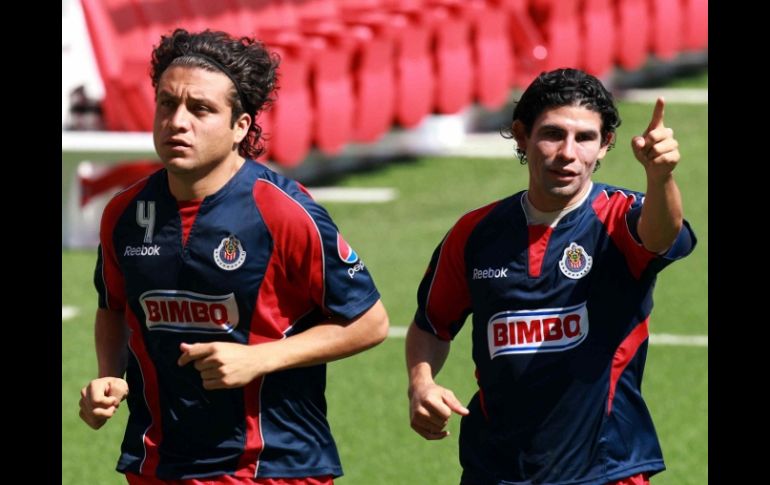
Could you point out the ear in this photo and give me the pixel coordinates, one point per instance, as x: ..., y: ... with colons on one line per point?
x: 605, y: 147
x: 519, y: 132
x: 241, y: 127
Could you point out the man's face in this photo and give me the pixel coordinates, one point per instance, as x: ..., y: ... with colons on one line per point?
x: 192, y: 131
x: 562, y: 151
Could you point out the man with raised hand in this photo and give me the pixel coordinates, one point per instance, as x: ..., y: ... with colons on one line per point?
x: 559, y: 280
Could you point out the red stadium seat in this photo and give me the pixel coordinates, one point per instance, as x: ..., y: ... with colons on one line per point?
x: 454, y: 60
x: 163, y: 17
x: 328, y: 102
x: 413, y: 55
x: 451, y: 50
x: 219, y: 15
x: 118, y: 38
x: 292, y: 115
x: 372, y: 68
x: 492, y: 53
x: 695, y: 33
x: 598, y: 33
x: 666, y: 24
x: 559, y: 23
x: 528, y: 44
x: 633, y: 33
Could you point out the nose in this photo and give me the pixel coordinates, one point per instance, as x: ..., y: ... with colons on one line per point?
x: 180, y: 119
x: 568, y: 148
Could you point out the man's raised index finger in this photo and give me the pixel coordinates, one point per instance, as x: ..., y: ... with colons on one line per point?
x: 657, y: 115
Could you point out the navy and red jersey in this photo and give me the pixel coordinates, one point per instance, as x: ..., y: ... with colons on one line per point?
x: 258, y: 261
x: 560, y: 330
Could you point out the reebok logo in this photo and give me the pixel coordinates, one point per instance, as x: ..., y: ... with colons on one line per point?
x: 482, y: 274
x: 142, y: 251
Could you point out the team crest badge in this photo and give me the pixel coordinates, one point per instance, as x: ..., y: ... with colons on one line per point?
x: 229, y: 255
x: 575, y: 263
x: 345, y: 252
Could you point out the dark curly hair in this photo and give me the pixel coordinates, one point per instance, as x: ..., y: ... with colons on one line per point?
x: 246, y: 61
x: 565, y: 87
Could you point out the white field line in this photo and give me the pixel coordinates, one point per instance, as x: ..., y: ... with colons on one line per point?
x: 69, y: 312
x: 684, y: 340
x: 353, y: 194
x: 684, y: 96
x: 655, y: 338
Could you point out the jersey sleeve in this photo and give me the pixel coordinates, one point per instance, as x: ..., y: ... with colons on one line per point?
x: 108, y: 277
x: 443, y: 297
x: 620, y: 212
x: 443, y: 300
x: 683, y: 244
x: 313, y: 253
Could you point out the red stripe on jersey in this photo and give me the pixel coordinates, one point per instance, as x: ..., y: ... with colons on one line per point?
x: 291, y: 287
x: 623, y: 355
x: 267, y: 324
x: 482, y: 401
x: 153, y: 435
x: 188, y: 211
x: 638, y: 479
x: 111, y: 272
x: 298, y: 248
x: 538, y: 242
x: 249, y: 460
x: 449, y: 296
x: 612, y: 212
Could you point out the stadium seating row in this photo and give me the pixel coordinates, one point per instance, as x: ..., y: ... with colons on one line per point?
x: 351, y: 69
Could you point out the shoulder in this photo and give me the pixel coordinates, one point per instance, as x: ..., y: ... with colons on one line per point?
x: 118, y: 204
x: 610, y: 199
x: 490, y: 210
x: 272, y: 187
x: 606, y: 191
x: 286, y: 206
x: 486, y: 215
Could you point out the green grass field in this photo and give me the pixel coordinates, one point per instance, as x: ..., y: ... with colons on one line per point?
x: 367, y: 393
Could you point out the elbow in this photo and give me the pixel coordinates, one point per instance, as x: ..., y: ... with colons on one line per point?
x: 662, y: 241
x: 379, y: 331
x: 659, y: 237
x: 382, y: 330
x: 378, y: 327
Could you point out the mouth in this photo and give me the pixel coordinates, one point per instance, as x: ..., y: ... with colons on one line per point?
x: 562, y: 174
x: 177, y: 144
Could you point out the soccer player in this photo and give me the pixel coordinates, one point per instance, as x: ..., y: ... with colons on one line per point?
x: 559, y: 279
x: 223, y: 290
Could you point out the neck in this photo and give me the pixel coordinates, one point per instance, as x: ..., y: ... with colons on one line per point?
x: 199, y: 184
x: 544, y: 203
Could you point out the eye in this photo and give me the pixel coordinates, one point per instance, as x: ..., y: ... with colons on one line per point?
x: 552, y: 134
x: 584, y: 137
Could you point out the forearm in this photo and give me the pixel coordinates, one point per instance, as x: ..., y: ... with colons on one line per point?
x: 425, y: 355
x: 111, y: 335
x: 325, y: 342
x: 662, y: 214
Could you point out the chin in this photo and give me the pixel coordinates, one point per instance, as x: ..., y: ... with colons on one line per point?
x: 564, y: 192
x: 178, y: 165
